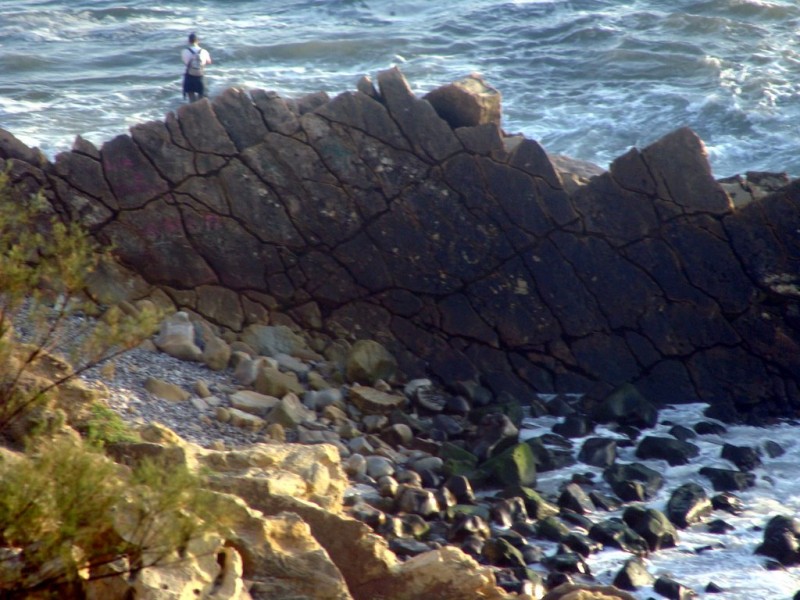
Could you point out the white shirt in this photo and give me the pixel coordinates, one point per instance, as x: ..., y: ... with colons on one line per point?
x: 205, y: 57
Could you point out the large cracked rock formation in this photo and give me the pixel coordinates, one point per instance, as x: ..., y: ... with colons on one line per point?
x: 419, y: 223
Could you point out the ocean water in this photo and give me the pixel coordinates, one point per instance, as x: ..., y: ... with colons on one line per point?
x: 587, y: 78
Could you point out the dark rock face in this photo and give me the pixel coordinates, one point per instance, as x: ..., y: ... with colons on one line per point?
x: 460, y: 249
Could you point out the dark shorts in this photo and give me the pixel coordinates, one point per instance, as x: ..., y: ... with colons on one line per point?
x: 193, y: 84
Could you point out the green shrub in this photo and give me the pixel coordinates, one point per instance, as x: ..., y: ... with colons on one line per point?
x: 44, y: 265
x: 66, y: 510
x: 104, y: 426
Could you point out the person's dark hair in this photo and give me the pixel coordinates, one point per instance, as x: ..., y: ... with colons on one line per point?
x: 192, y: 38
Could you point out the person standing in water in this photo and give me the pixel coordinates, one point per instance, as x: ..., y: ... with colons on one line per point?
x: 195, y: 58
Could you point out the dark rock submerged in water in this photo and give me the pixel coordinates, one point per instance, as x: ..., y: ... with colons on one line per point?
x: 463, y: 249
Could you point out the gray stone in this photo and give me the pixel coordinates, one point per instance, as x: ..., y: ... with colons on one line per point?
x: 177, y: 338
x: 290, y: 412
x: 165, y: 390
x: 319, y: 399
x: 253, y: 402
x: 379, y: 466
x: 271, y: 340
x: 368, y: 361
x: 371, y: 401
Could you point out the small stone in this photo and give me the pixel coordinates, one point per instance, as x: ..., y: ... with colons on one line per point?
x: 598, y: 452
x: 290, y: 412
x: 417, y: 501
x: 245, y: 420
x: 709, y: 428
x: 682, y: 433
x: 201, y: 388
x: 567, y: 562
x: 782, y: 540
x: 347, y: 430
x: 415, y: 526
x: 614, y: 532
x: 334, y: 414
x: 551, y: 528
x: 669, y: 588
x: 216, y: 354
x: 361, y: 445
x: 371, y: 401
x: 355, y: 465
x: 166, y: 391
x: 688, y: 504
x: 378, y: 466
x: 653, y: 525
x: 773, y: 449
x: 461, y: 489
x: 317, y: 382
x: 744, y: 457
x: 374, y: 423
x: 633, y: 575
x: 176, y: 338
x: 320, y: 399
x: 272, y: 382
x: 388, y: 486
x: 270, y: 340
x: 310, y: 436
x: 674, y: 451
x: 633, y: 482
x: 713, y: 588
x: 728, y: 502
x: 253, y: 402
x: 574, y: 426
x: 223, y: 414
x: 290, y: 363
x: 576, y: 499
x: 245, y: 368
x: 276, y: 432
x: 200, y: 404
x: 411, y: 478
x: 407, y: 547
x: 368, y: 361
x: 719, y: 527
x: 398, y: 434
x: 727, y: 480
x: 213, y: 401
x: 428, y: 463
x: 499, y: 552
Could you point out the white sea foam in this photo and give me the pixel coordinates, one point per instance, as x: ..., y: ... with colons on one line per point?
x: 727, y: 560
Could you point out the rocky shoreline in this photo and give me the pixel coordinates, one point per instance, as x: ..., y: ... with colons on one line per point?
x: 465, y: 250
x: 429, y: 470
x: 320, y: 258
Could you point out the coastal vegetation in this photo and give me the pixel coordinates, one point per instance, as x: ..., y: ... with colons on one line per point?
x: 68, y: 512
